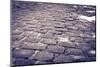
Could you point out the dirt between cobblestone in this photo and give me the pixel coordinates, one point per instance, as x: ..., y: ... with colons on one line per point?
x: 47, y: 33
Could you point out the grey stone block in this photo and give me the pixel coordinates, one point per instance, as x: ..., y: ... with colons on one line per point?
x: 56, y: 49
x: 22, y: 53
x: 73, y: 51
x: 16, y: 44
x: 47, y: 35
x: 66, y: 44
x: 31, y: 39
x: 42, y: 56
x: 17, y: 31
x: 48, y: 41
x: 17, y: 37
x: 39, y: 46
x: 63, y: 58
x: 44, y: 62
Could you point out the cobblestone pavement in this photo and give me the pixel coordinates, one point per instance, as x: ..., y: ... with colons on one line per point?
x: 45, y: 33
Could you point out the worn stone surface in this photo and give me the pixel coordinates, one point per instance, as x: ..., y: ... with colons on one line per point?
x: 44, y: 33
x: 66, y: 44
x: 48, y: 41
x: 63, y: 58
x: 39, y: 46
x: 42, y: 56
x: 73, y: 51
x: 56, y: 49
x: 18, y: 53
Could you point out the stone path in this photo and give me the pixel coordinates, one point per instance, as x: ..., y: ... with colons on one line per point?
x: 44, y: 33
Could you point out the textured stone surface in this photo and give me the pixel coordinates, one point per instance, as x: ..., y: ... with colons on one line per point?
x: 73, y: 51
x: 42, y: 56
x: 48, y: 41
x: 56, y: 49
x: 21, y: 62
x: 23, y: 53
x: 34, y: 46
x: 43, y: 33
x: 66, y: 44
x: 63, y: 58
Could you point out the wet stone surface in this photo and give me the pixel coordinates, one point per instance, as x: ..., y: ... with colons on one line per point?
x: 43, y: 33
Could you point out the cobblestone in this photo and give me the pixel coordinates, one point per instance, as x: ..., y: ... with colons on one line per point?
x: 22, y: 53
x: 43, y: 33
x: 56, y: 49
x: 39, y: 46
x: 66, y: 44
x: 63, y: 59
x: 73, y: 51
x: 42, y: 56
x: 48, y: 41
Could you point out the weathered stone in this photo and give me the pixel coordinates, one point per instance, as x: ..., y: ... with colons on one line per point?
x: 16, y: 44
x: 31, y: 33
x: 66, y: 44
x: 43, y: 31
x: 56, y: 49
x: 56, y: 32
x: 77, y: 57
x: 31, y: 39
x: 28, y: 29
x: 73, y: 33
x: 48, y: 41
x: 59, y: 25
x: 22, y: 53
x: 39, y: 46
x: 42, y: 56
x: 43, y: 62
x: 76, y: 39
x: 61, y: 29
x: 47, y: 35
x: 17, y: 37
x: 84, y: 47
x: 68, y: 19
x: 17, y: 31
x: 32, y: 22
x: 68, y: 23
x: 63, y: 58
x: 72, y: 27
x: 73, y: 51
x: 23, y: 62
